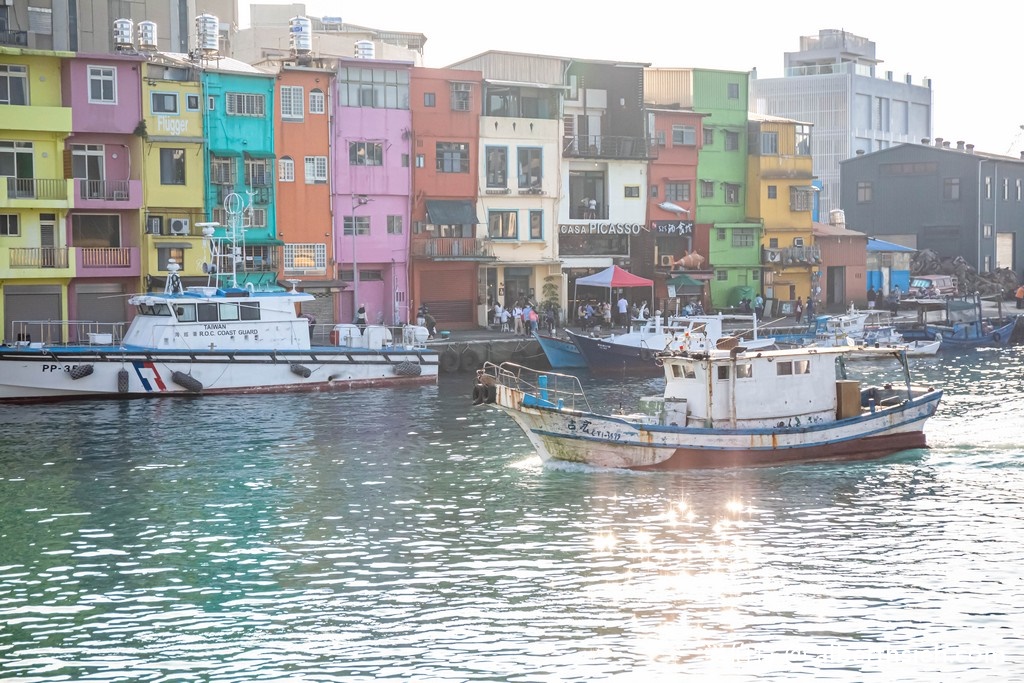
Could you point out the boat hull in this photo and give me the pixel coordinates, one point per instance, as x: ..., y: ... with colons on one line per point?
x: 620, y: 442
x: 561, y: 353
x: 968, y: 338
x: 605, y: 357
x: 39, y: 375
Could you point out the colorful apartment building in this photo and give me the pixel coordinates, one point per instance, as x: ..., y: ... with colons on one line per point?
x: 104, y: 155
x: 372, y: 178
x: 35, y: 194
x: 780, y: 191
x: 449, y: 251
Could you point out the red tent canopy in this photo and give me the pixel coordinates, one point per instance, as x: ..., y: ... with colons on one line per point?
x: 614, y: 277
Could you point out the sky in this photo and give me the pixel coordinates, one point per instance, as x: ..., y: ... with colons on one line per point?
x: 973, y: 58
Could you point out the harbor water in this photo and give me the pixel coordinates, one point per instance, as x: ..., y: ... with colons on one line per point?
x: 408, y: 535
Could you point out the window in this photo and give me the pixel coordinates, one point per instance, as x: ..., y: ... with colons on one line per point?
x: 732, y: 91
x: 536, y: 225
x: 371, y: 275
x: 254, y: 218
x: 429, y: 99
x: 769, y: 143
x: 631, y: 191
x: 258, y: 172
x: 497, y: 166
x: 421, y: 161
x: 744, y: 371
x: 172, y: 166
x: 784, y: 367
x: 732, y: 193
x: 87, y: 163
x: 361, y: 223
x: 222, y: 170
x: 305, y: 257
x: 376, y: 88
x: 773, y: 243
x: 732, y: 141
x: 211, y: 102
x: 394, y: 225
x: 13, y: 84
x: 366, y: 154
x: 292, y: 99
x: 722, y: 275
x: 654, y: 190
x: 743, y: 237
x: 720, y: 234
x: 165, y: 254
x: 709, y: 136
x: 1006, y: 189
x: 803, y: 140
x: 286, y: 170
x: 192, y: 102
x: 988, y: 187
x: 8, y: 225
x: 773, y: 192
x: 677, y: 192
x: 246, y: 104
x: 987, y: 266
x: 316, y: 101
x: 1018, y: 189
x: 316, y: 170
x: 163, y: 102
x: 405, y: 160
x: 460, y: 96
x: 103, y: 85
x: 986, y: 230
x: 863, y: 192
x: 530, y: 167
x: 723, y: 372
x: 452, y: 157
x: 502, y: 225
x: 684, y: 135
x: 951, y: 189
x: 801, y: 199
x: 707, y: 189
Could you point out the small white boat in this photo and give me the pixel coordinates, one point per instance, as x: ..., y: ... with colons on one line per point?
x: 721, y: 409
x: 886, y: 338
x: 215, y: 339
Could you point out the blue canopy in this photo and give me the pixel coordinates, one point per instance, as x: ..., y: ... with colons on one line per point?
x: 875, y: 244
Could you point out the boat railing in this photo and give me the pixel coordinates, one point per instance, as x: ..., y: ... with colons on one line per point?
x: 554, y: 388
x: 401, y: 336
x: 64, y: 333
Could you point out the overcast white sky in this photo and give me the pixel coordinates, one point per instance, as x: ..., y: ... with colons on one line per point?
x: 974, y: 59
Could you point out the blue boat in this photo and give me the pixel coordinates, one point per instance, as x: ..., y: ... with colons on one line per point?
x: 561, y: 353
x: 964, y: 326
x: 972, y: 335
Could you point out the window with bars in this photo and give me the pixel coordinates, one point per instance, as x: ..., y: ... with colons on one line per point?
x: 103, y: 85
x: 316, y: 170
x: 222, y: 170
x: 460, y: 94
x: 254, y: 218
x: 677, y: 192
x: 801, y: 199
x: 732, y: 141
x: 707, y: 189
x: 292, y: 97
x: 305, y: 257
x: 246, y: 104
x: 732, y: 193
x: 743, y: 237
x: 258, y: 172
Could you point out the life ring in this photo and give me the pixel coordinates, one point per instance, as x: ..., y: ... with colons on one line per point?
x: 449, y: 361
x: 646, y: 354
x: 470, y: 361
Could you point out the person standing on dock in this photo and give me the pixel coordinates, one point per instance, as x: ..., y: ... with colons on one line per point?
x: 798, y: 309
x: 1020, y: 296
x: 517, y: 318
x: 361, y: 318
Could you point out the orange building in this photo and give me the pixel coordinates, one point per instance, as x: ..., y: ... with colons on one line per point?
x: 304, y: 221
x: 448, y: 244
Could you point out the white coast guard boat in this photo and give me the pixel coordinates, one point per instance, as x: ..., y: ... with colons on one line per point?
x: 720, y: 409
x: 215, y: 339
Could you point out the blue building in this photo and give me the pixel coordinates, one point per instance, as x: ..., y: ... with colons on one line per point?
x: 888, y: 265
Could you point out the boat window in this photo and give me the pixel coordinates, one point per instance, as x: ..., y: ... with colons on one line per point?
x: 801, y: 367
x: 723, y: 372
x: 784, y: 367
x: 145, y: 309
x: 185, y: 313
x: 229, y: 311
x: 207, y: 313
x: 161, y: 309
x: 250, y: 310
x: 744, y: 371
x: 683, y: 370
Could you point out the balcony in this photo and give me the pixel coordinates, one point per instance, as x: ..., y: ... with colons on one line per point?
x: 38, y: 257
x: 107, y: 261
x: 35, y: 193
x: 792, y: 256
x: 108, y: 194
x: 15, y: 38
x: 452, y: 249
x: 608, y: 147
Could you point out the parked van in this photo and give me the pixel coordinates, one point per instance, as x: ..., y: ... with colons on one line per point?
x: 922, y: 286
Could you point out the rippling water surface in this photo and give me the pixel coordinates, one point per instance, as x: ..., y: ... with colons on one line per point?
x: 405, y: 534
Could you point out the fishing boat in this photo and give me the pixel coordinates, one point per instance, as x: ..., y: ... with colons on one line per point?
x: 214, y: 339
x: 883, y: 337
x: 721, y: 409
x: 561, y: 353
x: 635, y: 352
x: 963, y: 325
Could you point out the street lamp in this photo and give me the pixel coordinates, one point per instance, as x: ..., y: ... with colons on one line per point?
x: 357, y: 201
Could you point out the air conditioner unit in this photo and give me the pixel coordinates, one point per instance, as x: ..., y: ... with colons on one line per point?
x: 179, y: 226
x: 667, y: 260
x: 154, y: 225
x: 798, y: 241
x: 774, y: 256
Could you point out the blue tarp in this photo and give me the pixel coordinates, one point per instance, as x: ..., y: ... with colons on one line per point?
x: 875, y: 244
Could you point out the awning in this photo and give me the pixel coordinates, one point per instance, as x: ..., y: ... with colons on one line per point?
x: 172, y: 245
x: 225, y: 152
x: 263, y: 242
x: 451, y: 212
x: 258, y: 154
x: 805, y: 188
x: 875, y: 244
x: 684, y: 281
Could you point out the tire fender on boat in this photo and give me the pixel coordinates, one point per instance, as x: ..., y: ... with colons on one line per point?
x: 186, y: 381
x: 448, y: 361
x: 470, y: 361
x: 80, y: 371
x: 996, y: 337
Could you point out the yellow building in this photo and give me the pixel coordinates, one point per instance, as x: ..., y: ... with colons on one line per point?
x: 173, y: 172
x: 780, y: 190
x: 35, y: 195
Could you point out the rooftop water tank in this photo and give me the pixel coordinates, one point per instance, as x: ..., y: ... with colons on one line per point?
x: 207, y: 33
x: 123, y: 34
x: 837, y: 217
x: 300, y: 37
x: 147, y: 35
x: 365, y: 49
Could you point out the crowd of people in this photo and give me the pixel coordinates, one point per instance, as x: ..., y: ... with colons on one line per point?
x: 523, y: 318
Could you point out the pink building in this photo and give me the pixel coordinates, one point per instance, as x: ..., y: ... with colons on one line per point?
x: 371, y: 188
x: 104, y: 156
